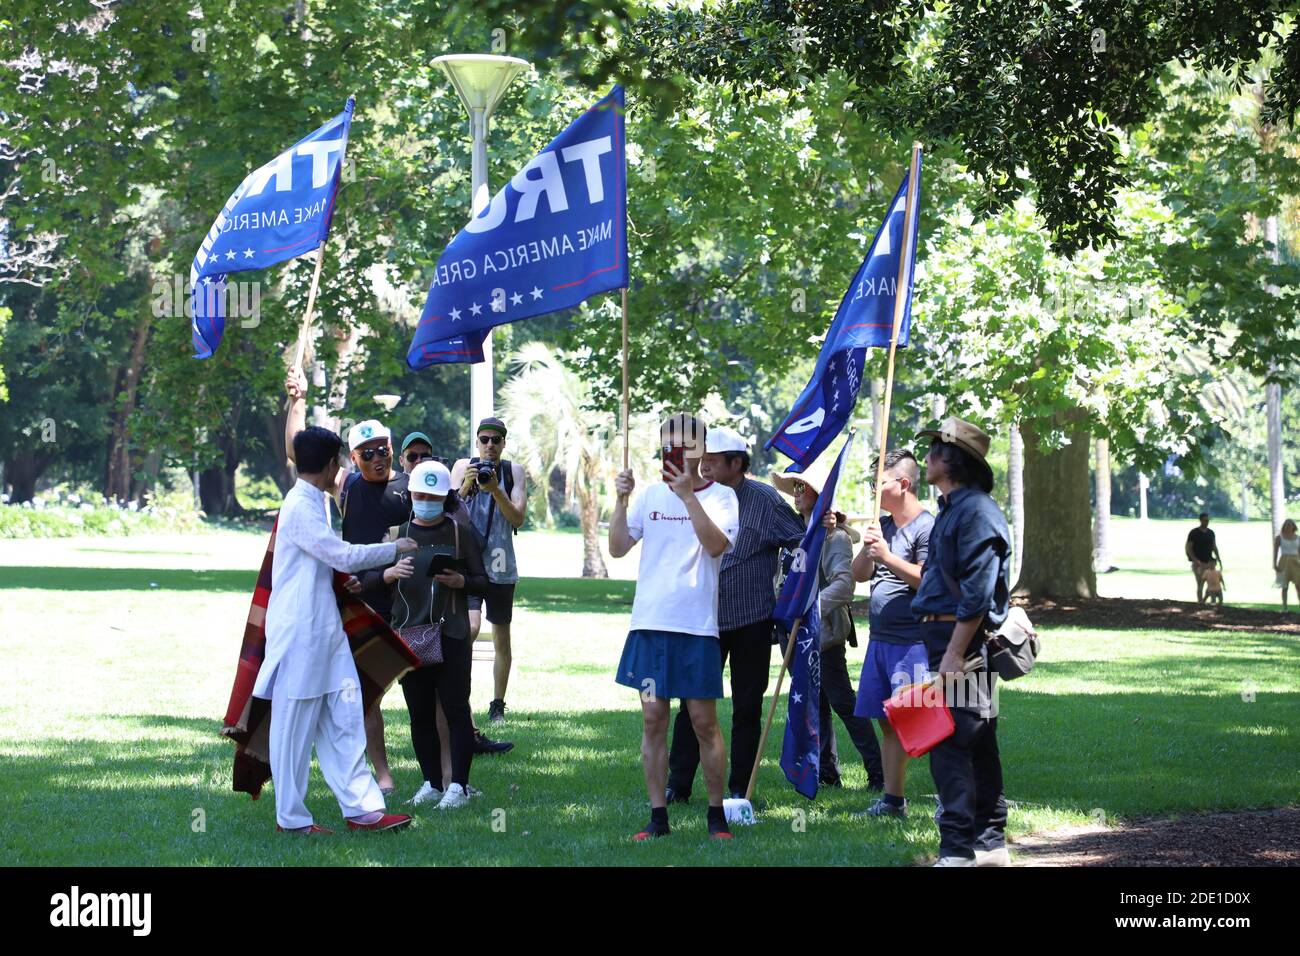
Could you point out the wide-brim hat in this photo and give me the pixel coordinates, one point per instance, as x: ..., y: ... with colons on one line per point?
x: 814, y: 477
x: 969, y: 438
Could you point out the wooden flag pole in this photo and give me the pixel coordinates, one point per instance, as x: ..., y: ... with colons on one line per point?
x: 625, y: 391
x: 900, y: 302
x: 311, y: 304
x: 771, y: 711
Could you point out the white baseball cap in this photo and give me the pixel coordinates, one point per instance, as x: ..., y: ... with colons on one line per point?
x: 718, y: 439
x: 362, y: 432
x: 430, y: 478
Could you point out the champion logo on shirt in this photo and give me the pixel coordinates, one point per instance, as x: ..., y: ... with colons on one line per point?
x: 660, y: 516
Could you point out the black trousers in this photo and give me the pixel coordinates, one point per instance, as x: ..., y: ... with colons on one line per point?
x: 447, y: 682
x: 749, y: 649
x: 967, y: 772
x: 838, y: 695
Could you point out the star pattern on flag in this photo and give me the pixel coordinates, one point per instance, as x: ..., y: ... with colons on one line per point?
x: 248, y: 253
x: 230, y: 254
x: 516, y: 299
x: 537, y: 293
x: 455, y: 315
x: 796, y: 697
x: 475, y: 308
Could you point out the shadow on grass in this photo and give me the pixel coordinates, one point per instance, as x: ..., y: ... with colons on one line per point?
x: 126, y: 579
x: 571, y: 792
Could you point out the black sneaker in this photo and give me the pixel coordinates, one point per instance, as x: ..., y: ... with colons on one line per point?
x: 486, y: 745
x: 830, y: 780
x: 497, y: 711
x: 676, y: 796
x: 881, y: 808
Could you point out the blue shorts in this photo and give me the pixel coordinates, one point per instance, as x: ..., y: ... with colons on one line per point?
x: 887, y: 668
x: 668, y: 664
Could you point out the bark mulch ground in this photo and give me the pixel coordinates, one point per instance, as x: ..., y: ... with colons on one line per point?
x: 1240, y: 838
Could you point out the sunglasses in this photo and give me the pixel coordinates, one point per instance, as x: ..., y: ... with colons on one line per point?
x: 368, y: 454
x: 415, y: 457
x: 491, y: 439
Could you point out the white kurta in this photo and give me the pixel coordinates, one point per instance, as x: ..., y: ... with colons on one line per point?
x: 306, y: 647
x: 308, y: 671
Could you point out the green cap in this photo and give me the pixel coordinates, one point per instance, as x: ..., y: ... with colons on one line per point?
x: 414, y: 437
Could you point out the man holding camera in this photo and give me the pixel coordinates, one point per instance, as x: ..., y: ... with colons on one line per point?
x: 495, y: 494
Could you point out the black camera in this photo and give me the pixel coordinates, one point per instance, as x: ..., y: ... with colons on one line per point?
x: 483, y: 470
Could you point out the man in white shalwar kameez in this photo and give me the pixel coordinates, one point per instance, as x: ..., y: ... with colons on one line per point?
x: 308, y: 672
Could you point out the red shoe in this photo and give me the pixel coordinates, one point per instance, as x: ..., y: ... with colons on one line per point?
x: 314, y: 828
x: 721, y: 835
x: 389, y: 821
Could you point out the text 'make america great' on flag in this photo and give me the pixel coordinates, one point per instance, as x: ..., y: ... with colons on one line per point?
x: 554, y: 235
x: 801, y: 748
x: 864, y: 319
x: 279, y: 211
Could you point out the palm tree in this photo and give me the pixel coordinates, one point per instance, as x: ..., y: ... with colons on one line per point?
x: 548, y: 406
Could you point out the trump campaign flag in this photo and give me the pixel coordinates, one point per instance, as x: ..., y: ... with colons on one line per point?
x: 864, y: 319
x: 554, y: 235
x: 801, y: 749
x: 279, y: 211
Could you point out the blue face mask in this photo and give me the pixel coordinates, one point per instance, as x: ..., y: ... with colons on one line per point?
x: 427, y: 510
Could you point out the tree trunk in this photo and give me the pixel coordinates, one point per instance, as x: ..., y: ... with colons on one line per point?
x: 283, y: 475
x: 22, y: 470
x: 1101, y: 526
x: 1016, y: 498
x: 593, y: 562
x: 1058, y: 551
x: 1276, y: 485
x: 118, y: 472
x: 1143, y: 484
x: 217, y: 482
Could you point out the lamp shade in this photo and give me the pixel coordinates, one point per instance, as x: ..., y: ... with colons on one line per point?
x: 481, y: 78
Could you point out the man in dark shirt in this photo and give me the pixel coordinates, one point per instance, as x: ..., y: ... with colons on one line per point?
x: 963, y: 590
x: 372, y: 499
x: 1203, y: 552
x: 746, y: 600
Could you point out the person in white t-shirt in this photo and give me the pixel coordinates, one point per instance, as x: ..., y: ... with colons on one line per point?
x: 686, y: 524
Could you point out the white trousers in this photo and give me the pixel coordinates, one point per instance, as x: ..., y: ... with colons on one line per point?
x: 336, y: 725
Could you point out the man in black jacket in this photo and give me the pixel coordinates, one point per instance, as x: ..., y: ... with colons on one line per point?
x: 963, y: 591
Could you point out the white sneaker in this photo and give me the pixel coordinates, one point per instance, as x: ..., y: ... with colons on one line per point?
x: 425, y: 794
x: 999, y: 857
x: 454, y: 797
x: 954, y: 861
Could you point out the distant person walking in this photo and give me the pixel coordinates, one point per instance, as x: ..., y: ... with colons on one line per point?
x: 1286, y: 559
x: 1203, y: 552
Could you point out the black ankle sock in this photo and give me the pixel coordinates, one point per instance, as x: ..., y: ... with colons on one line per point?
x: 892, y: 800
x: 658, y: 825
x: 717, y: 820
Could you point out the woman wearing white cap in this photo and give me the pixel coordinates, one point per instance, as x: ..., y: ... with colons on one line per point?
x: 422, y: 600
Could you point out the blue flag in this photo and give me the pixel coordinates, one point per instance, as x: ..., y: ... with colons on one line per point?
x: 279, y: 211
x: 798, y: 601
x: 864, y: 319
x: 554, y: 235
x: 802, y: 745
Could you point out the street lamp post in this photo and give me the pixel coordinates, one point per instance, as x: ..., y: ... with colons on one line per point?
x: 480, y: 80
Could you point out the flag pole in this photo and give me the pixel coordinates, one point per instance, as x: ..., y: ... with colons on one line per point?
x: 625, y: 391
x: 771, y: 711
x: 311, y: 304
x: 900, y: 302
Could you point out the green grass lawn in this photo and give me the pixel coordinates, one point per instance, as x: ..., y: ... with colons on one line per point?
x: 119, y: 655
